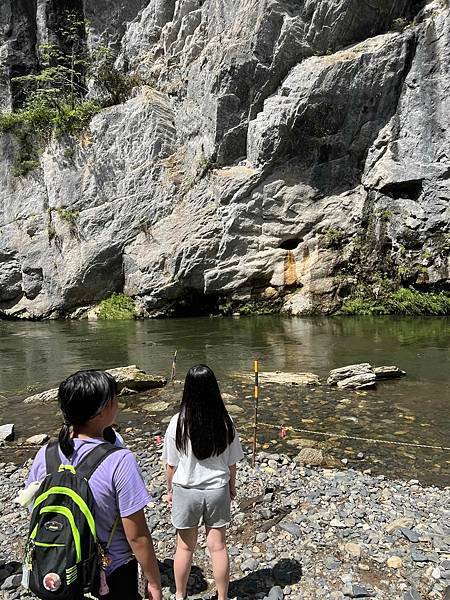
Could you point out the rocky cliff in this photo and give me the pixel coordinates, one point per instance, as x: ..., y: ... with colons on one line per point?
x: 275, y: 150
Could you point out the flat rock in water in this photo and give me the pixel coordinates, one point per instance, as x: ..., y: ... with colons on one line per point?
x: 129, y: 379
x: 7, y: 432
x: 43, y: 397
x: 38, y: 439
x: 302, y: 379
x: 310, y: 456
x: 357, y: 382
x: 347, y: 372
x: 390, y: 372
x: 282, y: 378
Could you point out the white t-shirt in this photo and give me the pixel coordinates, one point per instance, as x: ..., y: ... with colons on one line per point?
x: 210, y: 473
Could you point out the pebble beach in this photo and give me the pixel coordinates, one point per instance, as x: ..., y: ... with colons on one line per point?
x: 297, y: 532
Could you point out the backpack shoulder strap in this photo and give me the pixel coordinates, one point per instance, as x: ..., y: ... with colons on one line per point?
x: 52, y: 458
x: 88, y: 465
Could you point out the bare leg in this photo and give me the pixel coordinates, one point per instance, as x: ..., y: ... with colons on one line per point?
x: 215, y: 539
x: 186, y: 542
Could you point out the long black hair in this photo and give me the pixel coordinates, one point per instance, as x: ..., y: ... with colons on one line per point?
x: 81, y: 397
x: 203, y: 418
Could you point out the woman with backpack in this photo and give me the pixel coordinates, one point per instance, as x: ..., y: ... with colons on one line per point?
x: 201, y: 449
x: 62, y: 506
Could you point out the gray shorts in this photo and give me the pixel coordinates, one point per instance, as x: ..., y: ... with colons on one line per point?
x: 191, y: 505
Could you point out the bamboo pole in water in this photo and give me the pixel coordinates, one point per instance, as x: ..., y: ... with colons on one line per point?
x: 255, y: 425
x: 174, y: 367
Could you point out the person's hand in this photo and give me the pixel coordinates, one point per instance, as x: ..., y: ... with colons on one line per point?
x: 169, y: 498
x: 233, y: 492
x: 154, y: 592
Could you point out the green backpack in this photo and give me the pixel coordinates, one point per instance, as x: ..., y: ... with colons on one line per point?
x: 63, y: 556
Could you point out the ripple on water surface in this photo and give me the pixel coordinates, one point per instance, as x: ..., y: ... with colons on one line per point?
x: 36, y: 356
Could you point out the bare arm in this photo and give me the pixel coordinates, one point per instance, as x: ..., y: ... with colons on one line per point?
x: 170, y: 472
x: 232, y: 481
x: 140, y: 540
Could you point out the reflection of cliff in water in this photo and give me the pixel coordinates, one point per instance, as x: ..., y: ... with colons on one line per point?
x: 414, y: 408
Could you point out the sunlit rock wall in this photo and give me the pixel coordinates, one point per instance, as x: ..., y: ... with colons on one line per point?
x: 268, y: 142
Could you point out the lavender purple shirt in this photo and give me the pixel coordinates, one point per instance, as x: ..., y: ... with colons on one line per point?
x: 118, y: 489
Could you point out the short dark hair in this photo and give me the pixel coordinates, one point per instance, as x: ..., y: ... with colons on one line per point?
x: 81, y: 397
x: 203, y: 418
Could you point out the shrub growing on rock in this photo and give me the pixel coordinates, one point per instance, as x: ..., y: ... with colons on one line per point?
x: 117, y: 307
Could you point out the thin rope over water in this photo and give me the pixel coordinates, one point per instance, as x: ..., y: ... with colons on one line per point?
x: 353, y: 437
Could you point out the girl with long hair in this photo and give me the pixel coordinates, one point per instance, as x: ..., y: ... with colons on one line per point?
x: 201, y: 449
x: 88, y: 402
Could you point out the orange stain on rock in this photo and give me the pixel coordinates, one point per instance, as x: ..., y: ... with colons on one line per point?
x: 290, y: 269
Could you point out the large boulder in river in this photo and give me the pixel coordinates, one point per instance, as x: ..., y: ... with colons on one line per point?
x: 134, y: 378
x: 362, y: 375
x: 128, y: 378
x: 342, y: 373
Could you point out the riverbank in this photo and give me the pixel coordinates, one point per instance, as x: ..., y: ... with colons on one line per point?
x: 297, y: 532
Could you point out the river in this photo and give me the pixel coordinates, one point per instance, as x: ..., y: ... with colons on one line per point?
x: 37, y: 355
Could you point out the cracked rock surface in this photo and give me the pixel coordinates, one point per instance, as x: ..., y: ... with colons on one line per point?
x: 266, y: 139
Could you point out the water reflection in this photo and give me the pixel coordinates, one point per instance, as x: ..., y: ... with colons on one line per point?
x: 39, y: 355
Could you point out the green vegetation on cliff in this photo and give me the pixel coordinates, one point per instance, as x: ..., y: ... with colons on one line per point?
x: 117, y: 307
x: 404, y: 301
x: 55, y: 101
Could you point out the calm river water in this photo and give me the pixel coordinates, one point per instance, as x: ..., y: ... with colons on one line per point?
x: 36, y: 356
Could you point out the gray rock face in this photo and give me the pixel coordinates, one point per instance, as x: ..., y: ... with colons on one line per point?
x: 267, y: 139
